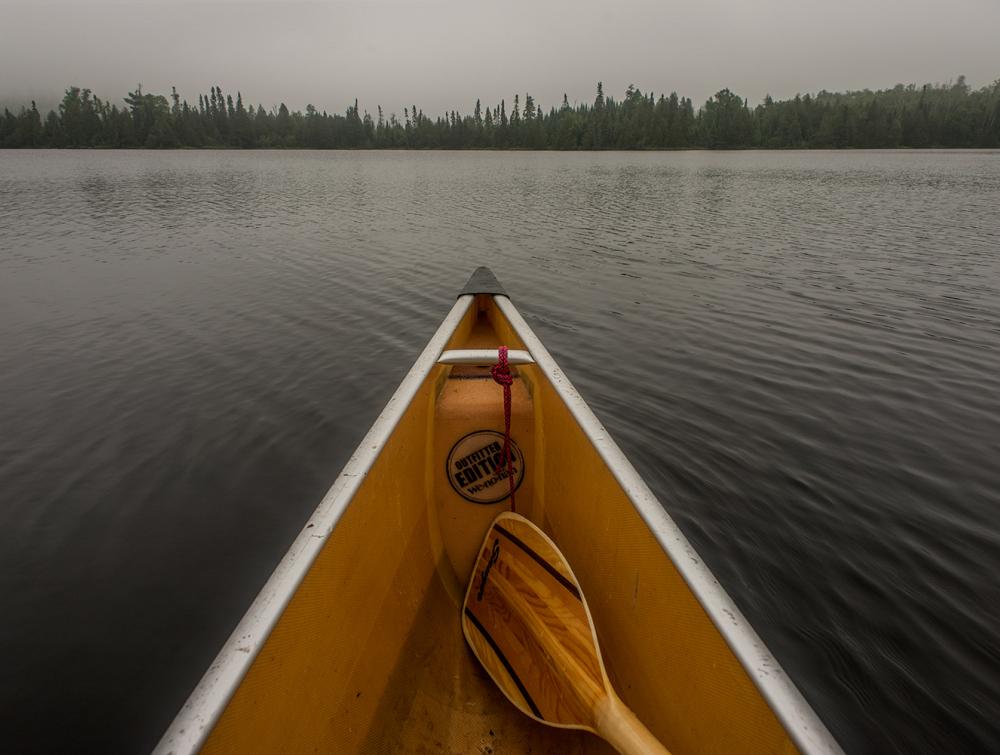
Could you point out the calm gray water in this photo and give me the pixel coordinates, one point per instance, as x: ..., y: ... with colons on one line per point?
x: 799, y: 351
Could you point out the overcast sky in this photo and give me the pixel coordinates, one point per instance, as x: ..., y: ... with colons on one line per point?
x: 443, y: 54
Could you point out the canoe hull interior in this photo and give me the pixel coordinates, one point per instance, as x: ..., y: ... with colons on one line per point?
x: 366, y: 654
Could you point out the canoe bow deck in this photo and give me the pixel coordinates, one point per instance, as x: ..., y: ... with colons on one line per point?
x: 355, y: 643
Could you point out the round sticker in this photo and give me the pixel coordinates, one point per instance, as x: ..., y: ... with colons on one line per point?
x: 477, y: 469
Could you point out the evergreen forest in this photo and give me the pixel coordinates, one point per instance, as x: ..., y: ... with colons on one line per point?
x: 933, y: 115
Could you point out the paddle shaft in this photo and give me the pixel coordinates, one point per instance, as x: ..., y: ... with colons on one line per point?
x: 623, y: 731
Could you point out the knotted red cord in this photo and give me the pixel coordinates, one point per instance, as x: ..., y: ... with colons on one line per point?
x: 501, y: 374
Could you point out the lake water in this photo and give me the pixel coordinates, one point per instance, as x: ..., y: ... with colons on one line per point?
x: 800, y: 352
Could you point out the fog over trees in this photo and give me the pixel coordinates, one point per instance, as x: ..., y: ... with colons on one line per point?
x: 932, y: 115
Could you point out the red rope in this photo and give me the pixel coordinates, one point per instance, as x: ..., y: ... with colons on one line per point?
x: 501, y: 374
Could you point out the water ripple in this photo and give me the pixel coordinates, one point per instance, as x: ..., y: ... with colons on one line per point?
x: 799, y: 351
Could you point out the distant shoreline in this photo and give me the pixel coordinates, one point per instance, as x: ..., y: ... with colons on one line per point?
x: 519, y: 150
x: 944, y: 116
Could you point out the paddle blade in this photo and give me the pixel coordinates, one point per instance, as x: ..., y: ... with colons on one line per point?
x: 527, y: 622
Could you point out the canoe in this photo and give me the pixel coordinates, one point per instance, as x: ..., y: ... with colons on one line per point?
x: 355, y: 643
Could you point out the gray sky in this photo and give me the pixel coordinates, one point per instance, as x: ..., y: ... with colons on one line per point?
x: 443, y: 54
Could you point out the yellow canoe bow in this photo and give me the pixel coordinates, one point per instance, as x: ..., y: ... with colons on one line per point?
x: 355, y: 643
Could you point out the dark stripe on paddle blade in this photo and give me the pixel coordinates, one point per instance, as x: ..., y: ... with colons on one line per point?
x: 503, y: 659
x: 544, y: 564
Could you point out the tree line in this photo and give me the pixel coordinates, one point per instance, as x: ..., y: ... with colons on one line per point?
x: 933, y: 115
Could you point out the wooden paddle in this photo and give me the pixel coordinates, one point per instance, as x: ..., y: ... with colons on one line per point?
x: 528, y: 623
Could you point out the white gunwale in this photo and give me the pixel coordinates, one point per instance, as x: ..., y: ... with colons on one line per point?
x: 804, y: 727
x: 199, y: 714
